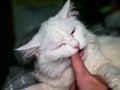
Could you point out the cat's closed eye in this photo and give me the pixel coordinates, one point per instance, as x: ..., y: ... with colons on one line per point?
x: 73, y: 32
x: 61, y: 44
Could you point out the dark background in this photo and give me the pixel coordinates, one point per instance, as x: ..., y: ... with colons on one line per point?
x: 6, y: 39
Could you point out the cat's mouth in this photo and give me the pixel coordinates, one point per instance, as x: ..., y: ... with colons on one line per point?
x: 81, y: 52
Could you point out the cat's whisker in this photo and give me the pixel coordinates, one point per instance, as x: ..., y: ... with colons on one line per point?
x: 97, y: 30
x: 60, y: 60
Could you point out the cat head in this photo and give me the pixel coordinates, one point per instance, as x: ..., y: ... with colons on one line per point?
x: 59, y: 37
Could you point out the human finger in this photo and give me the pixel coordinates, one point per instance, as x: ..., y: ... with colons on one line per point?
x: 78, y: 66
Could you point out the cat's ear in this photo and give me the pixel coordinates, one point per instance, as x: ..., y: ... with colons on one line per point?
x: 67, y: 10
x: 30, y: 49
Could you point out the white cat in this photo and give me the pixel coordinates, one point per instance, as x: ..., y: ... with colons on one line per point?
x: 62, y: 36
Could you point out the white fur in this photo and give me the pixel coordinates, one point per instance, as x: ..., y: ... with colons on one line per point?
x: 55, y: 43
x: 110, y: 47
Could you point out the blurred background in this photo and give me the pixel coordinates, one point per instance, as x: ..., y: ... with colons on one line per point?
x: 20, y: 20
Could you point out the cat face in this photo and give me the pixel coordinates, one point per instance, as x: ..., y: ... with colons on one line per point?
x: 63, y: 32
x: 59, y: 37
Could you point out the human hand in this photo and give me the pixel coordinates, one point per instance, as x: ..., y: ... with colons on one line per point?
x: 84, y: 80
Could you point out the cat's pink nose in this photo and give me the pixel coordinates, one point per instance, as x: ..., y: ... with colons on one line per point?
x: 77, y: 46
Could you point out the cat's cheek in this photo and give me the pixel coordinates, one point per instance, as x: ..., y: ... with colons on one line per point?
x: 71, y: 50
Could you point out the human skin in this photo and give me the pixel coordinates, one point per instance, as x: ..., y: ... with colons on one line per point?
x: 84, y: 80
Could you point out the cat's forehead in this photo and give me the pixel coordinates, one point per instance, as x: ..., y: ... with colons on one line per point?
x: 56, y: 24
